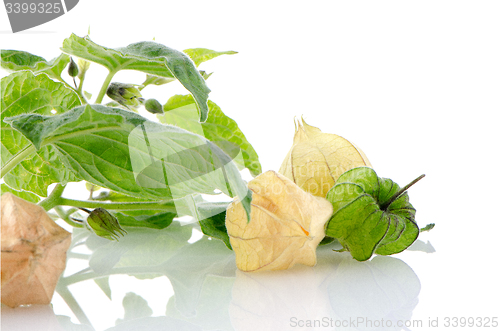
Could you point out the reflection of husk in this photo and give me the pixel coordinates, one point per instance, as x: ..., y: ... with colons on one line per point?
x: 338, y: 290
x: 286, y: 225
x: 317, y: 159
x: 274, y: 301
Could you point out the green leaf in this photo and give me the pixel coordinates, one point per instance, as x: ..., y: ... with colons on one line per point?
x: 18, y: 60
x: 155, y: 219
x: 28, y: 196
x: 215, y: 227
x: 200, y: 55
x: 148, y: 57
x: 117, y: 197
x: 124, y: 152
x: 370, y: 214
x: 25, y: 93
x: 145, y: 218
x: 218, y: 128
x: 155, y: 80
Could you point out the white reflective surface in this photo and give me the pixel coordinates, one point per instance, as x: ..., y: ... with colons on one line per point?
x: 414, y: 84
x: 156, y: 280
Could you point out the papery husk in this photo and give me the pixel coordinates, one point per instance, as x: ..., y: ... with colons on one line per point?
x: 286, y: 225
x: 33, y: 252
x: 317, y: 159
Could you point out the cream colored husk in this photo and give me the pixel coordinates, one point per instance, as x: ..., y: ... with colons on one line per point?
x: 286, y: 225
x: 317, y: 159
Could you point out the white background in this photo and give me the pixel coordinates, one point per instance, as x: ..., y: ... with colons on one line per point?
x: 415, y: 84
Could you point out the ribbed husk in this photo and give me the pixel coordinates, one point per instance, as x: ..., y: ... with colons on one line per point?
x: 317, y: 159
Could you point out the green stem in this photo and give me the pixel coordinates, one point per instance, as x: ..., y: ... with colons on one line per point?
x: 77, y: 91
x: 80, y: 95
x: 65, y: 217
x: 105, y: 85
x: 53, y: 199
x: 167, y: 206
x: 401, y: 191
x: 19, y: 157
x: 80, y: 86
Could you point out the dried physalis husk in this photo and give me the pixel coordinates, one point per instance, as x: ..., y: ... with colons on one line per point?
x: 33, y: 252
x: 317, y: 159
x: 286, y: 225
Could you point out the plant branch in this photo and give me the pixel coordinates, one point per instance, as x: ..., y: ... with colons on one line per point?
x: 65, y: 217
x: 105, y: 85
x: 167, y: 206
x: 53, y: 199
x: 400, y: 192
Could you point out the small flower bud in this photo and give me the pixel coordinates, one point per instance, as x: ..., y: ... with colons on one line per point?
x: 153, y: 106
x: 73, y: 68
x: 127, y: 95
x: 104, y: 224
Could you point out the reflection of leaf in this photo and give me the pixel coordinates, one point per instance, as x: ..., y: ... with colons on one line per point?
x: 188, y: 269
x: 420, y: 246
x: 103, y: 284
x: 24, y: 93
x: 135, y: 307
x: 160, y: 323
x: 154, y: 247
x: 365, y: 217
x: 198, y: 272
x: 140, y: 247
x: 149, y: 57
x: 104, y: 258
x: 212, y: 308
x: 67, y: 325
x: 19, y: 60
